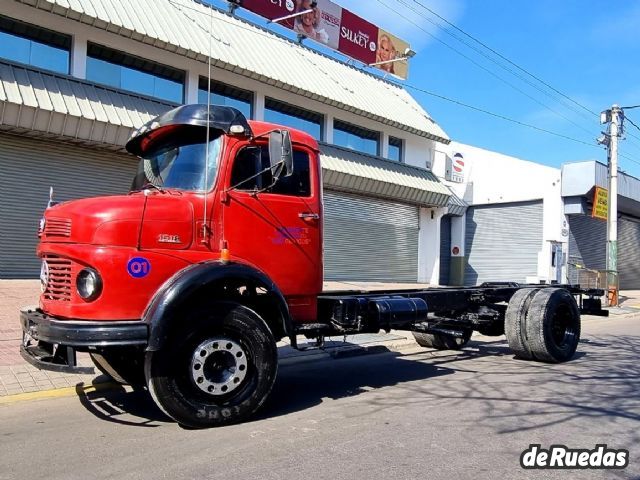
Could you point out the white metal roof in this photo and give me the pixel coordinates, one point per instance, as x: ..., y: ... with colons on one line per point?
x: 57, y: 105
x: 50, y: 104
x: 346, y: 170
x: 183, y: 26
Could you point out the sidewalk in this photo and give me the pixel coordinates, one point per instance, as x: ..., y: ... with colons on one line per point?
x: 17, y: 376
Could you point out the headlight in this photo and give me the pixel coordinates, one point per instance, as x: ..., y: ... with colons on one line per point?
x: 89, y: 284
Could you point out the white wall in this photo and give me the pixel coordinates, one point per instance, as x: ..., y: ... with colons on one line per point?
x: 494, y: 178
x: 429, y: 245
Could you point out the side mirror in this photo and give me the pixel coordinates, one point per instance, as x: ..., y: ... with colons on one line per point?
x: 280, y: 153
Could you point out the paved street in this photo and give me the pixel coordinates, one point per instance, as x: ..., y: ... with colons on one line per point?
x: 416, y: 414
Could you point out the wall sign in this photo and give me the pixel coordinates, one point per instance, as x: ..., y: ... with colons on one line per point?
x: 600, y: 203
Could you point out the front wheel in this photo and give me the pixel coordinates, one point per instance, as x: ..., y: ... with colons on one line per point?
x: 217, y: 369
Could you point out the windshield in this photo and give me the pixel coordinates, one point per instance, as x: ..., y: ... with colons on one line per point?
x: 179, y: 163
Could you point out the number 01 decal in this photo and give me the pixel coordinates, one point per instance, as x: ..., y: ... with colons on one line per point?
x: 138, y: 267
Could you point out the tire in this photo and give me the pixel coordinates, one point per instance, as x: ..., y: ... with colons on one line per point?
x: 217, y: 370
x: 442, y: 342
x: 553, y: 325
x: 122, y: 364
x: 515, y: 322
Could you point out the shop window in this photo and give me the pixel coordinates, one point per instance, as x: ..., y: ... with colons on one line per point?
x: 223, y: 94
x: 252, y: 160
x: 121, y: 70
x: 395, y: 149
x: 32, y: 45
x: 292, y: 116
x: 356, y: 138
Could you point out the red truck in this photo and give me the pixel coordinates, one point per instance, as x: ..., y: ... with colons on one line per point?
x: 186, y: 283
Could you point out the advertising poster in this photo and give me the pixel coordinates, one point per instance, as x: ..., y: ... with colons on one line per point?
x: 272, y: 9
x: 358, y: 38
x: 600, y: 203
x: 339, y: 29
x: 321, y: 25
x: 389, y: 48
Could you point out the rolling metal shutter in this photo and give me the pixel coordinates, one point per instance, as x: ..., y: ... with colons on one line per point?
x: 28, y: 168
x: 366, y: 239
x: 503, y: 242
x: 445, y: 249
x: 587, y: 248
x: 629, y: 253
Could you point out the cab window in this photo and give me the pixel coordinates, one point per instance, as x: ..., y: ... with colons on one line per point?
x: 252, y: 160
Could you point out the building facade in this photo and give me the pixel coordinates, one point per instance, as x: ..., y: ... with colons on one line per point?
x: 527, y: 222
x: 76, y: 78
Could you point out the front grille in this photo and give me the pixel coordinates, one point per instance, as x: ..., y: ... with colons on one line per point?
x: 57, y: 227
x: 60, y: 279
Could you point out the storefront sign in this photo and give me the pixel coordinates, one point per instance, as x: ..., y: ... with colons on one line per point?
x: 600, y: 203
x: 339, y: 29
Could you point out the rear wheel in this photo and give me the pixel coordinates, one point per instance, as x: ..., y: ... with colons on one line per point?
x: 122, y: 364
x: 218, y: 370
x: 553, y: 325
x: 442, y: 342
x: 515, y: 322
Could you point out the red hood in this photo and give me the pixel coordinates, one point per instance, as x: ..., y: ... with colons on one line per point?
x: 95, y: 220
x: 116, y: 221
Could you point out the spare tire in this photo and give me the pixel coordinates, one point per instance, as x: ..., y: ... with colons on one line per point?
x: 553, y: 325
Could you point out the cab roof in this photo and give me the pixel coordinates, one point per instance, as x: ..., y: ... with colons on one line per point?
x: 226, y: 120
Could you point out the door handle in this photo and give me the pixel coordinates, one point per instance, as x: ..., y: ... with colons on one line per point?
x: 309, y: 216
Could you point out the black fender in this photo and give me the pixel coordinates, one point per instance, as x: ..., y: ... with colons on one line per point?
x: 176, y: 291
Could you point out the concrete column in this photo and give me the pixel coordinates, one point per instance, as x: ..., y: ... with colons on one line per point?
x: 457, y: 250
x: 327, y: 129
x: 429, y: 245
x: 258, y: 106
x: 384, y: 145
x: 79, y: 56
x: 191, y: 87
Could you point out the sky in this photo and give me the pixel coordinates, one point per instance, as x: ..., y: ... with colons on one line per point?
x: 587, y: 50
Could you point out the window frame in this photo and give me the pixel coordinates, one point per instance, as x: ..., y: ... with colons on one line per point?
x: 358, y: 131
x: 305, y: 114
x: 225, y: 90
x: 264, y: 148
x: 399, y: 143
x: 39, y: 35
x: 122, y: 59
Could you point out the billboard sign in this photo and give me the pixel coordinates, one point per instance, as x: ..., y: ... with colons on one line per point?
x: 337, y: 28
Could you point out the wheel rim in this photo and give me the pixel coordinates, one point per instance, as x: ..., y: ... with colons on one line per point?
x: 563, y: 327
x: 218, y: 366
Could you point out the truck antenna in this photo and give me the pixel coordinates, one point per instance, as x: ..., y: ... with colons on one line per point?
x: 205, y: 229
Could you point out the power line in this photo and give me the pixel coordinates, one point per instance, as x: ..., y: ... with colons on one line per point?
x: 631, y: 122
x: 497, y: 115
x: 507, y: 59
x: 489, y: 71
x: 272, y: 36
x: 629, y: 108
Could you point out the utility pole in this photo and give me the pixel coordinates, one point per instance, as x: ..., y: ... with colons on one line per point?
x: 615, y: 116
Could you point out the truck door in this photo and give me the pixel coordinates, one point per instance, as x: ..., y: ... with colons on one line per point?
x: 277, y: 228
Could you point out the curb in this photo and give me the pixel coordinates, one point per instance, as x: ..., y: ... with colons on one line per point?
x: 62, y: 392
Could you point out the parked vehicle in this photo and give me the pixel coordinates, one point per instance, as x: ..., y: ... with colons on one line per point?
x: 186, y: 284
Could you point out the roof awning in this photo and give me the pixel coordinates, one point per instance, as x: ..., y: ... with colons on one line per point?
x: 349, y: 171
x: 53, y: 105
x: 456, y: 206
